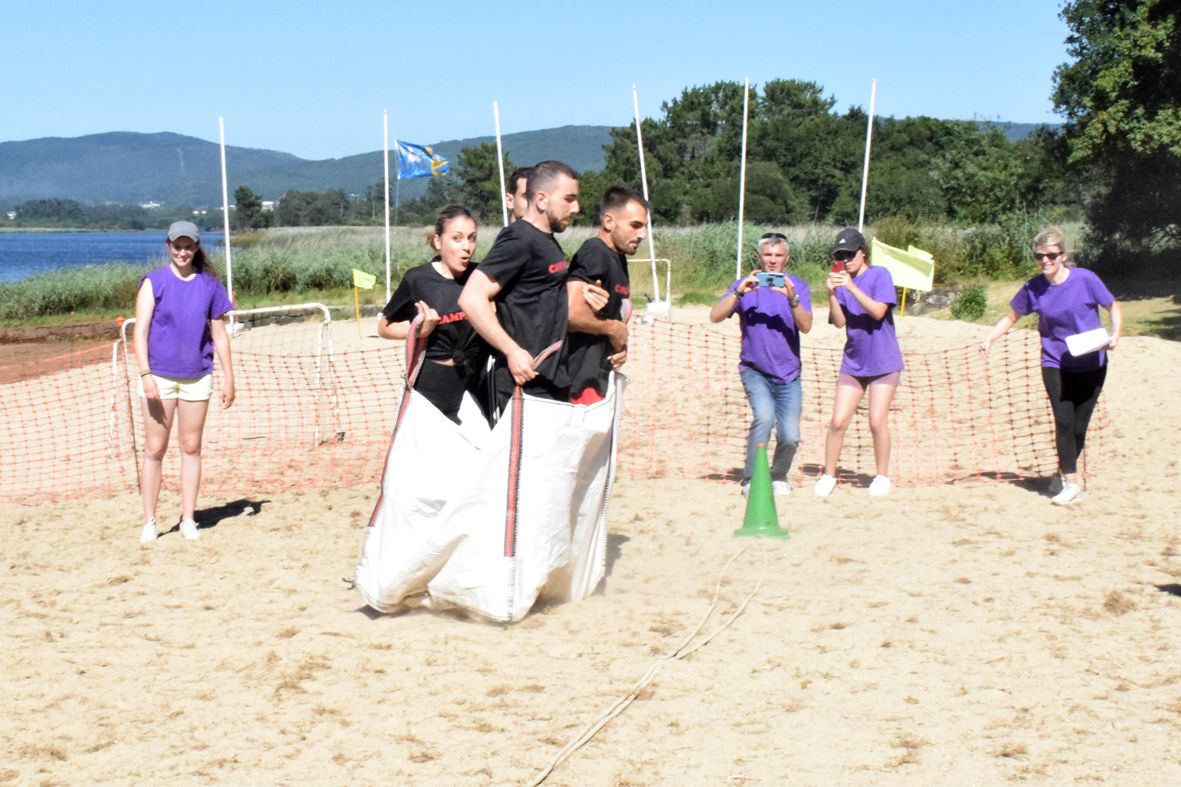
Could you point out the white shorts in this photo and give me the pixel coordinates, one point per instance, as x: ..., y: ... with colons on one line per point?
x: 190, y: 389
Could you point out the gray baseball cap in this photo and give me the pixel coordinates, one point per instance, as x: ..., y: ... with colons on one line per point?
x: 184, y: 229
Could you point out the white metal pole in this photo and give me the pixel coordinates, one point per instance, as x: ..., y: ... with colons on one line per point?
x: 500, y: 163
x: 386, y: 147
x: 644, y: 181
x: 397, y: 196
x: 873, y: 92
x: 742, y: 179
x: 225, y: 209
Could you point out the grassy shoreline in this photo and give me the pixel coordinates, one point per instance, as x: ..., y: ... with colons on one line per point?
x: 300, y: 264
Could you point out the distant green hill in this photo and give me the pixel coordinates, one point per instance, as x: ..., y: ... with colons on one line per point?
x: 173, y: 169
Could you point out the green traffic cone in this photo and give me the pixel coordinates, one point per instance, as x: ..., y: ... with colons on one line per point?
x: 761, y: 517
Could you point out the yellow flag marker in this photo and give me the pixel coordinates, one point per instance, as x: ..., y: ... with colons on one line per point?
x: 911, y: 269
x: 361, y: 281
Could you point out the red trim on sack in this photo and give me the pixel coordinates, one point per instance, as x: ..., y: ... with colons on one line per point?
x: 512, y: 507
x: 415, y: 353
x: 514, y: 473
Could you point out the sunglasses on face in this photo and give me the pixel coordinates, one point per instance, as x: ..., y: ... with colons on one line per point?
x: 1050, y: 255
x: 843, y: 256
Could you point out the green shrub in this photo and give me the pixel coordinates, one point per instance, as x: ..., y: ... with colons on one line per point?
x: 970, y: 304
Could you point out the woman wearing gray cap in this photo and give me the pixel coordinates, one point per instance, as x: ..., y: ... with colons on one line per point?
x: 861, y: 299
x: 178, y: 327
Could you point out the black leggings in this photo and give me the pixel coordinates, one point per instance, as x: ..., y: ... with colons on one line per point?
x: 1072, y: 396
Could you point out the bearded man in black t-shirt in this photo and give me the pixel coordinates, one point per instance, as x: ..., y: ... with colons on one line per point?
x: 524, y: 275
x: 598, y: 339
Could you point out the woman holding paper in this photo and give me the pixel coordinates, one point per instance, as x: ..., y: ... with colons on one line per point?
x: 1066, y: 300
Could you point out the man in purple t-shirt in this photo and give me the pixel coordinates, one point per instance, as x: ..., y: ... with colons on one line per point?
x: 773, y: 308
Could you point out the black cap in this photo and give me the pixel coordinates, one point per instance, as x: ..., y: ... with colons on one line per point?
x: 848, y: 239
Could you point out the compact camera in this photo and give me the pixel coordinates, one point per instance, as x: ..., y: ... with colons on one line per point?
x: 770, y: 279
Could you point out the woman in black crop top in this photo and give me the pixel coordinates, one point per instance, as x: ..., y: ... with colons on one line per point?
x: 454, y: 352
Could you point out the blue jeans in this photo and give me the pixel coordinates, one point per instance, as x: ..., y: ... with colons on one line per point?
x: 774, y: 405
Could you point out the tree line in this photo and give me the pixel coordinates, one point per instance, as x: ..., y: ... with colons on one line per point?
x: 1116, y: 161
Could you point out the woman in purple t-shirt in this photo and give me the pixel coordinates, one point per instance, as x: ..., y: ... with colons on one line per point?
x: 861, y: 300
x: 178, y: 327
x: 1067, y: 302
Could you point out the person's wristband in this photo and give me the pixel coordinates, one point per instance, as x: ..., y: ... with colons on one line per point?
x: 145, y: 374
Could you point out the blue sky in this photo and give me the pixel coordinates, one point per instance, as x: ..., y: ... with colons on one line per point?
x: 312, y: 79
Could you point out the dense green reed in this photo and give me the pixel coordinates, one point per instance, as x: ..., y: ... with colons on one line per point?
x: 286, y: 264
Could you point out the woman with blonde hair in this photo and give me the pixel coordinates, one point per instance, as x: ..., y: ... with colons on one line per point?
x: 1067, y: 301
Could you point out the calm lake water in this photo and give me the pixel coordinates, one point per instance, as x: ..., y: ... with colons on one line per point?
x: 25, y: 254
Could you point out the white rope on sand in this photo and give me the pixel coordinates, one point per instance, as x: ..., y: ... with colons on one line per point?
x: 680, y: 652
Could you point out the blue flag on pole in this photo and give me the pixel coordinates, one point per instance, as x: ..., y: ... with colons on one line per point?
x: 419, y: 161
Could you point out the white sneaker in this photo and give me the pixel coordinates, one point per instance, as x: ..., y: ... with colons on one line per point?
x: 746, y: 489
x: 780, y: 488
x: 1055, y: 485
x: 879, y: 486
x: 148, y: 534
x: 1069, y: 494
x: 188, y: 529
x: 824, y: 485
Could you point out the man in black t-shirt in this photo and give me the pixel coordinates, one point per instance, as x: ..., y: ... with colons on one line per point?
x: 524, y: 274
x: 598, y: 340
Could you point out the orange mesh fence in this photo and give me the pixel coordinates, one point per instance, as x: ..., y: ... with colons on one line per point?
x: 64, y: 426
x: 956, y: 415
x: 308, y: 417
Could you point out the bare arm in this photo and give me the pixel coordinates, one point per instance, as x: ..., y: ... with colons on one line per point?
x: 1000, y: 329
x: 401, y: 329
x: 392, y: 330
x: 801, y: 316
x: 875, y: 309
x: 476, y: 300
x: 1116, y: 312
x: 583, y: 320
x: 221, y: 346
x: 836, y: 315
x: 726, y: 305
x: 595, y: 296
x: 145, y: 307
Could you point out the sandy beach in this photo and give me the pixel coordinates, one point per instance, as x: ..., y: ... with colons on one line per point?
x: 952, y: 633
